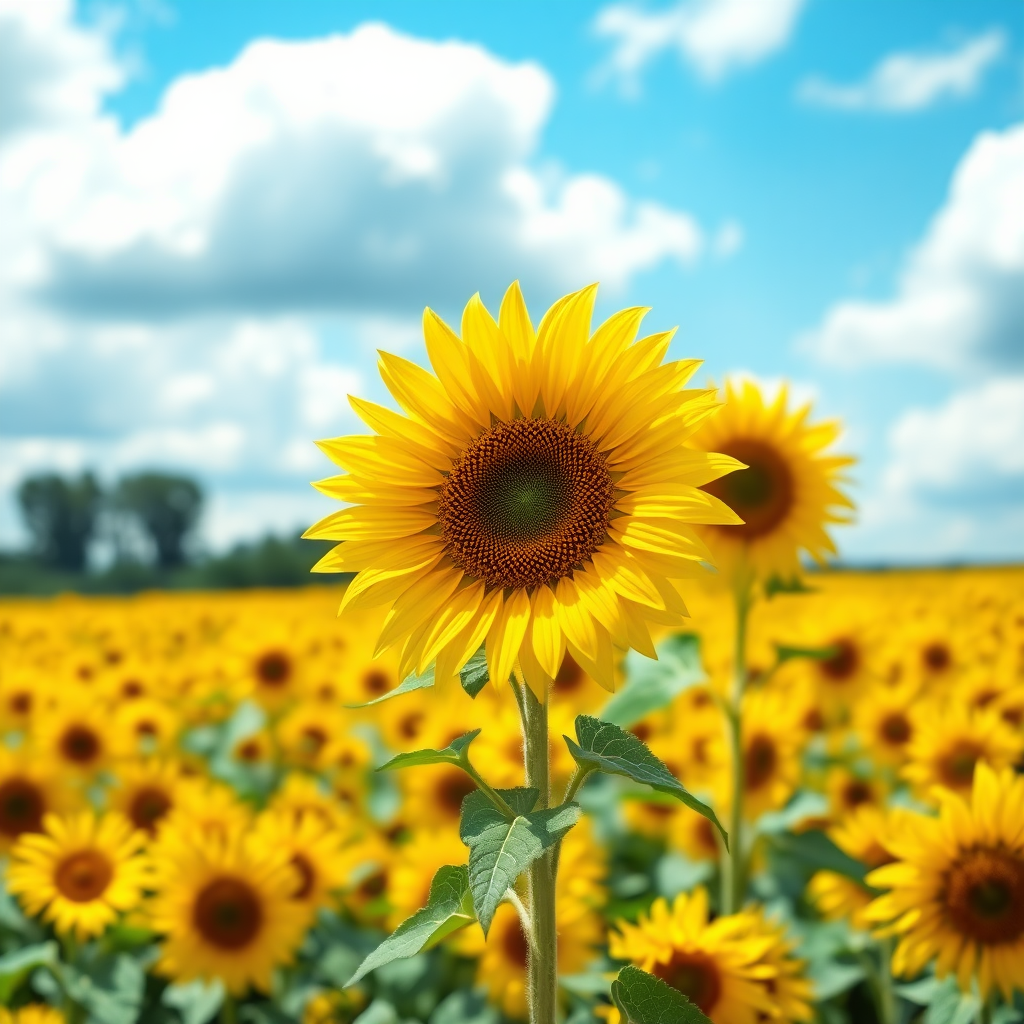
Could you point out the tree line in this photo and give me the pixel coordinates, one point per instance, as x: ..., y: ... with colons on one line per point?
x: 147, y: 516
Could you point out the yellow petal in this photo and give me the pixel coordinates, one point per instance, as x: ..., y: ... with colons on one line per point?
x: 546, y: 636
x: 506, y: 636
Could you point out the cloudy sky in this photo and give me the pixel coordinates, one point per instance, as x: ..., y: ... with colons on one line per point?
x: 212, y: 215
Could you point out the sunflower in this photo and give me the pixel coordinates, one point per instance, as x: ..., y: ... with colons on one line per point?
x: 309, y: 734
x: 34, y: 1013
x: 303, y: 796
x: 80, y: 873
x: 782, y: 974
x: 948, y: 746
x: 772, y: 740
x: 885, y: 722
x: 227, y: 910
x: 715, y: 965
x: 849, y: 790
x: 314, y: 852
x: 74, y: 734
x: 30, y: 788
x: 863, y: 835
x: 145, y: 726
x: 957, y: 888
x: 537, y: 497
x: 789, y: 491
x: 146, y: 792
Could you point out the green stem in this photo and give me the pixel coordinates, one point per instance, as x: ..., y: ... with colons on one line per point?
x: 490, y: 793
x: 888, y: 1011
x: 229, y: 1010
x: 734, y: 883
x: 542, y: 966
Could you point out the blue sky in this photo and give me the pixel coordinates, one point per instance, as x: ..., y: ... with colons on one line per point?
x: 208, y: 235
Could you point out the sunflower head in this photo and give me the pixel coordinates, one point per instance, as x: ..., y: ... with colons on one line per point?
x: 536, y: 495
x: 789, y: 491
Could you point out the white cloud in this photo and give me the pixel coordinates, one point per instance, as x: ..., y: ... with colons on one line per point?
x: 51, y: 71
x: 716, y: 37
x: 960, y: 301
x: 728, y: 240
x: 973, y: 443
x: 310, y: 175
x: 907, y: 82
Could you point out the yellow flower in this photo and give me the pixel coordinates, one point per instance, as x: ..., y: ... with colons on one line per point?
x: 35, y: 1013
x: 716, y: 965
x: 314, y: 851
x: 957, y: 888
x: 30, y: 787
x: 227, y: 911
x: 80, y: 873
x: 948, y: 744
x: 885, y: 722
x: 773, y: 736
x: 75, y: 734
x: 537, y: 497
x: 146, y: 792
x: 789, y: 491
x: 863, y: 835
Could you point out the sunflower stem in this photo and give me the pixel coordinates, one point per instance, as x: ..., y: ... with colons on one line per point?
x: 490, y: 793
x: 734, y: 881
x: 229, y: 1010
x: 542, y: 965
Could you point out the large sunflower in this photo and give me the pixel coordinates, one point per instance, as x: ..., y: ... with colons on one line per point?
x: 80, y: 873
x: 716, y: 965
x: 957, y: 889
x: 789, y: 491
x: 30, y: 788
x: 227, y: 910
x: 538, y: 495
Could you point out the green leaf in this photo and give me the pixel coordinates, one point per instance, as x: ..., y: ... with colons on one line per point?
x: 449, y: 908
x: 951, y: 1006
x: 785, y: 653
x: 474, y: 675
x: 607, y: 748
x: 793, y: 585
x: 198, y: 1002
x: 407, y: 685
x: 655, y: 684
x: 500, y: 850
x: 644, y: 999
x: 818, y: 852
x: 830, y: 978
x: 111, y: 988
x: 15, y: 967
x: 452, y: 754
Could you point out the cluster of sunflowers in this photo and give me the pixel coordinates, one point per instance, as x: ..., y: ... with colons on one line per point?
x: 201, y: 808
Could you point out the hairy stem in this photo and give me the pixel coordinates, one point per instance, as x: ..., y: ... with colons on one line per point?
x: 734, y: 881
x: 542, y: 967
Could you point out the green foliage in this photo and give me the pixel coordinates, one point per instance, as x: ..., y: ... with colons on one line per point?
x: 16, y: 966
x: 454, y: 753
x: 449, y: 908
x: 652, y: 685
x: 166, y: 507
x: 500, y: 850
x: 474, y: 675
x: 605, y: 747
x: 816, y: 851
x: 61, y: 515
x: 642, y: 998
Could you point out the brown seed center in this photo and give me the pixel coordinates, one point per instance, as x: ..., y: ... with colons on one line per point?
x: 984, y: 895
x: 762, y: 494
x: 759, y: 761
x: 525, y: 504
x: 83, y: 876
x: 895, y: 728
x: 148, y: 806
x: 694, y: 974
x: 956, y: 766
x: 843, y: 663
x: 80, y: 744
x: 21, y: 807
x: 228, y: 913
x: 273, y: 669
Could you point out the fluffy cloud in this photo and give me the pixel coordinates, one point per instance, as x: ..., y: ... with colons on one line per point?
x: 51, y: 71
x: 310, y: 175
x: 971, y: 447
x: 716, y: 37
x: 959, y: 302
x: 908, y: 82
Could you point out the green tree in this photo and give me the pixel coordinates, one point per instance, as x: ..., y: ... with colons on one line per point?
x: 61, y: 515
x: 167, y: 507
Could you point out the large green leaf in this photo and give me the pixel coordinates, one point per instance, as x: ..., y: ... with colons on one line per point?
x: 605, y: 747
x: 452, y: 754
x: 198, y: 1002
x: 652, y: 685
x: 951, y: 1006
x: 644, y: 999
x: 449, y: 908
x: 15, y: 967
x: 111, y: 988
x: 818, y: 852
x: 500, y: 850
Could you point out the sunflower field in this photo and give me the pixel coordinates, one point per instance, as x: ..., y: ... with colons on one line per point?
x: 587, y: 742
